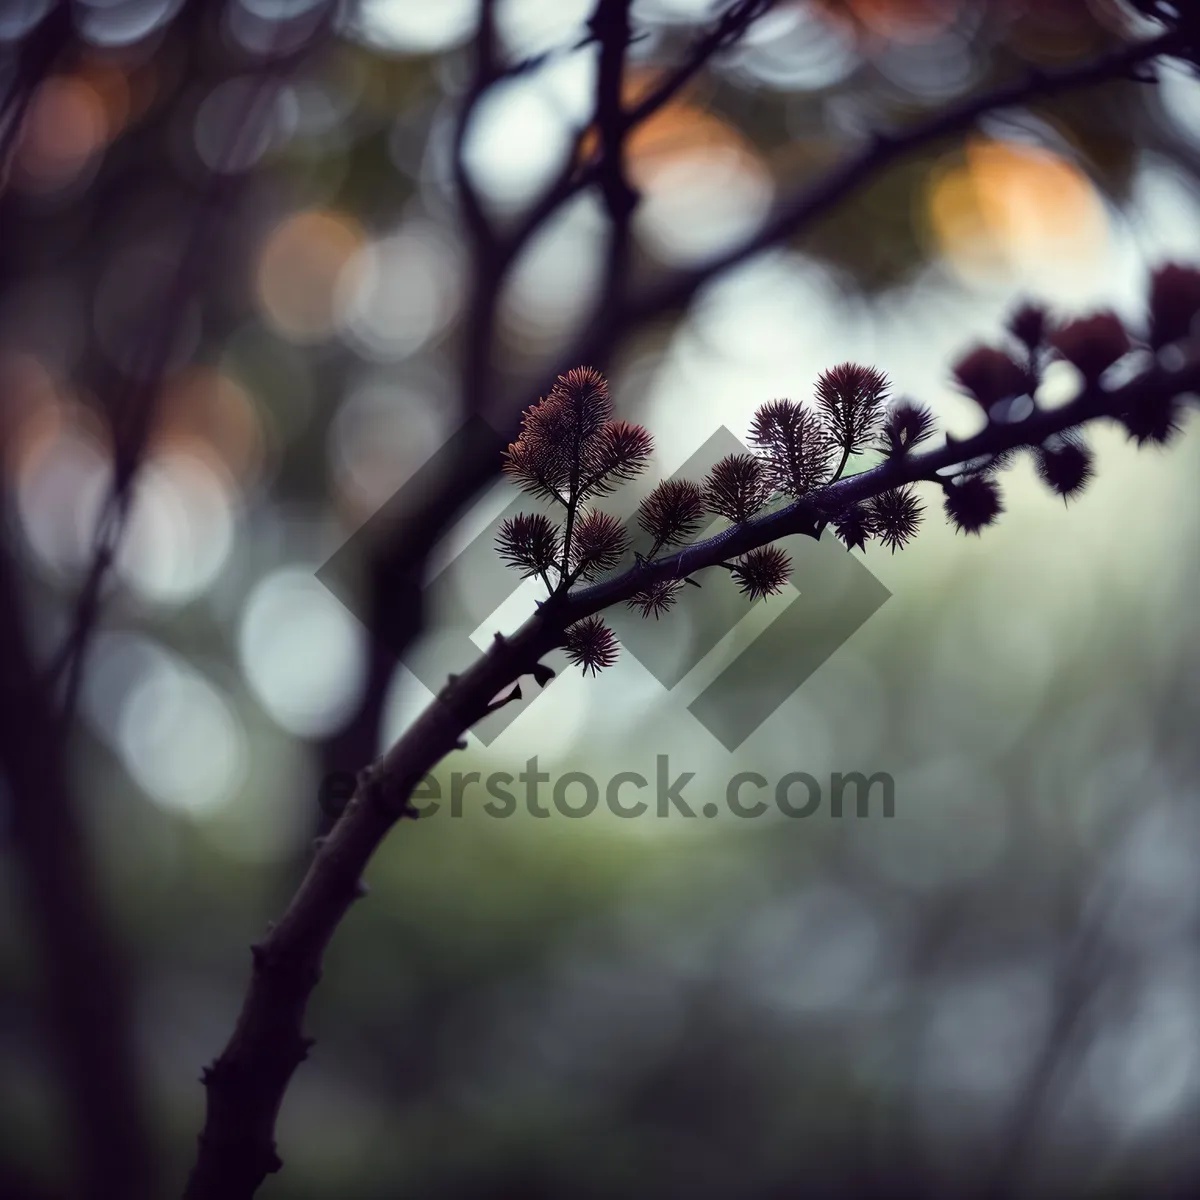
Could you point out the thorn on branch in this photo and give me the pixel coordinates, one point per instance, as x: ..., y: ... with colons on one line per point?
x: 374, y: 793
x: 496, y: 705
x: 369, y: 786
x: 542, y: 674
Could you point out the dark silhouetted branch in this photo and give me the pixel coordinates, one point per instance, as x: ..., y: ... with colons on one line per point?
x: 83, y: 979
x: 247, y: 1082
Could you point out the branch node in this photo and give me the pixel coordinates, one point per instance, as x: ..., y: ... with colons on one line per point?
x: 371, y: 789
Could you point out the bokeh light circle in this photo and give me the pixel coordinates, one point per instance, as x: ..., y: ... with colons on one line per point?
x: 303, y: 654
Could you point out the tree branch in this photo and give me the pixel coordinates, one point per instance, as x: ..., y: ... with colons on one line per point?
x: 132, y: 410
x: 612, y: 29
x: 82, y: 976
x: 479, y: 230
x: 610, y: 325
x: 799, y: 212
x: 41, y: 52
x: 247, y: 1082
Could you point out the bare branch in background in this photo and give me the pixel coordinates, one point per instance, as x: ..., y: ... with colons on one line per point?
x: 132, y: 411
x: 84, y: 978
x: 40, y: 54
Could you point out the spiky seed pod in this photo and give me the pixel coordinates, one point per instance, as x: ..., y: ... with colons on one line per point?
x: 999, y: 461
x: 1065, y: 465
x: 792, y: 446
x: 737, y: 487
x: 855, y: 526
x: 585, y: 404
x: 538, y: 465
x: 656, y: 599
x: 990, y: 377
x: 597, y: 543
x: 531, y: 542
x: 672, y: 512
x: 973, y: 503
x: 1028, y: 326
x: 762, y: 572
x: 1092, y: 344
x: 905, y: 426
x: 576, y: 409
x: 1174, y: 303
x: 617, y: 454
x: 569, y: 445
x: 850, y: 398
x: 591, y: 645
x: 1153, y: 420
x: 896, y: 515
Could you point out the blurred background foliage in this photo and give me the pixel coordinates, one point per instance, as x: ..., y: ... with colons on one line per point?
x: 997, y: 987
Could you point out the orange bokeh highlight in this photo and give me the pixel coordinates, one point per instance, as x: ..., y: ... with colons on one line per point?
x: 299, y: 269
x: 116, y: 98
x: 38, y: 409
x: 676, y: 131
x: 72, y: 119
x: 1009, y: 205
x: 31, y: 415
x: 905, y: 21
x: 67, y: 125
x: 214, y: 417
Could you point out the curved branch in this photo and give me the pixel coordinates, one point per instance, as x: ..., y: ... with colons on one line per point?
x: 246, y: 1084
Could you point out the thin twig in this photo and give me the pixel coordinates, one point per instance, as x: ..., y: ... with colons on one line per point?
x: 82, y: 976
x: 132, y: 412
x: 612, y: 29
x: 41, y: 51
x: 801, y: 211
